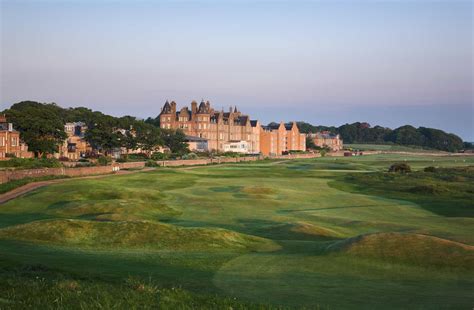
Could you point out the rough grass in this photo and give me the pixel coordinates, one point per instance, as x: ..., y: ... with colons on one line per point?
x: 36, y: 286
x: 446, y: 191
x: 421, y: 250
x: 140, y: 234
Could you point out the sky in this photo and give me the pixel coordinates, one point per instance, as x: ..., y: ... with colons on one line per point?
x: 390, y: 63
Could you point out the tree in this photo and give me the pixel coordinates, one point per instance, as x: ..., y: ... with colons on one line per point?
x: 175, y: 140
x: 310, y: 144
x: 406, y: 135
x: 103, y: 138
x: 40, y: 126
x: 148, y: 138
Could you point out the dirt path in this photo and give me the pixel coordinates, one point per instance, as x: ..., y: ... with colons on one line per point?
x: 14, y: 193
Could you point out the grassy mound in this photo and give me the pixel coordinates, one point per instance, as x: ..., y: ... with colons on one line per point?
x: 298, y: 231
x: 408, y: 248
x: 140, y: 234
x: 114, y: 209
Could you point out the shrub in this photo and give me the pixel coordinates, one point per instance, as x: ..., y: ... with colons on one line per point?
x: 122, y: 160
x: 190, y: 156
x: 137, y: 157
x: 104, y: 161
x: 31, y: 163
x: 430, y: 169
x: 160, y: 156
x: 10, y: 155
x: 83, y: 160
x: 151, y: 163
x: 400, y: 168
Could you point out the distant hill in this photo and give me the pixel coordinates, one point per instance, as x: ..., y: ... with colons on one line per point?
x: 364, y: 133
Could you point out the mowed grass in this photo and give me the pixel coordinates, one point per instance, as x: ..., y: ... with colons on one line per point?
x: 276, y: 233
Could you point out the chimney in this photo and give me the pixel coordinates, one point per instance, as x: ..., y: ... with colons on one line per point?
x: 208, y: 105
x: 193, y: 107
x: 173, y: 107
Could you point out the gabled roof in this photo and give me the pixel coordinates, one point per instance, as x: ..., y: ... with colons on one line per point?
x: 253, y: 123
x: 166, y: 108
x: 203, y: 108
x: 243, y: 120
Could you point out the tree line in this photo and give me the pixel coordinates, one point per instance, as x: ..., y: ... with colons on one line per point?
x: 41, y: 127
x: 407, y: 135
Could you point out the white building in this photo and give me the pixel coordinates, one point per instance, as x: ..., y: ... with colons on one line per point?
x: 240, y: 146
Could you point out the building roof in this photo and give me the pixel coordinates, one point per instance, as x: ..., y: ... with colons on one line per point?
x: 253, y: 123
x: 203, y: 108
x: 166, y: 108
x: 323, y: 135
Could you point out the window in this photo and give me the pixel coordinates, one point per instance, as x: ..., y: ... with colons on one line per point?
x: 2, y: 141
x: 14, y: 141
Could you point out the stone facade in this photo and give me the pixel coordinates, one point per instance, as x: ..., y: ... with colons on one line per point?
x: 74, y: 146
x: 281, y: 138
x: 10, y: 143
x: 327, y: 139
x: 218, y: 127
x: 225, y: 129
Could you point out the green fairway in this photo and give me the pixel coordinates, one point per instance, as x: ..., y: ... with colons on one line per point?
x: 333, y: 233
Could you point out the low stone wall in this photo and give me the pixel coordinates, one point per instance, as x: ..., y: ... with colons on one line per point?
x: 11, y: 175
x: 297, y: 156
x: 131, y: 165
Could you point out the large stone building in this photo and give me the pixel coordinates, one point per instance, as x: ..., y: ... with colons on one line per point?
x: 218, y: 127
x: 10, y: 143
x: 74, y: 147
x: 280, y: 138
x: 231, y: 131
x: 326, y: 139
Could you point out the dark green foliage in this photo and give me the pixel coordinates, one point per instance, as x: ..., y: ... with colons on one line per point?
x: 40, y: 126
x: 310, y: 144
x: 363, y: 132
x: 438, y: 139
x: 160, y: 156
x: 104, y: 160
x: 30, y: 163
x: 430, y: 169
x: 151, y: 163
x: 175, y: 140
x: 308, y: 128
x: 405, y: 135
x: 147, y: 137
x: 190, y: 156
x: 400, y: 168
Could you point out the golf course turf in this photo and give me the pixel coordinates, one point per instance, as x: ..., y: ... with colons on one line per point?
x: 328, y: 233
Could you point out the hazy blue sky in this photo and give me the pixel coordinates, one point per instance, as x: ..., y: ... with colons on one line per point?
x: 326, y: 62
